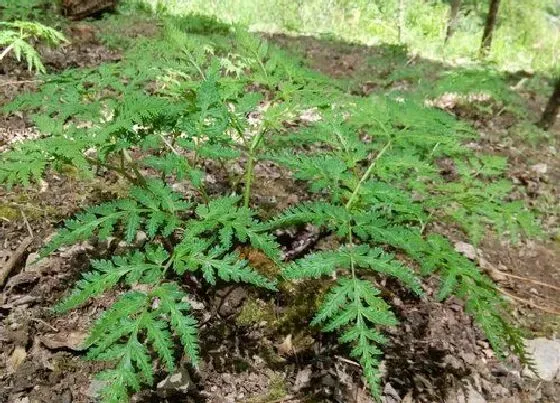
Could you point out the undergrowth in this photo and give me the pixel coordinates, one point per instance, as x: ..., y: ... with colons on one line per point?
x: 18, y: 38
x: 201, y: 97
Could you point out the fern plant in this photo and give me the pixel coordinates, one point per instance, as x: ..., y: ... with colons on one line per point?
x: 369, y: 215
x: 370, y: 163
x: 17, y: 37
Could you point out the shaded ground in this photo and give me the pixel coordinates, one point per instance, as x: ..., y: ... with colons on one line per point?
x: 258, y: 349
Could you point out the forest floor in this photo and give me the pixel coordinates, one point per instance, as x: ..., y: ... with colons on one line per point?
x: 435, y: 354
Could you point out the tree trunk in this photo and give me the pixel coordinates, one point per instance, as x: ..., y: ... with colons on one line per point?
x: 552, y: 108
x: 452, y: 22
x: 401, y: 20
x: 489, y: 27
x: 79, y: 9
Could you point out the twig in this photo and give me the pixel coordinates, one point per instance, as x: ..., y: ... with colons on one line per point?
x: 42, y: 322
x: 27, y: 223
x: 530, y: 303
x: 532, y: 281
x: 169, y: 145
x: 284, y: 399
x: 14, y: 260
x: 347, y: 361
x: 19, y: 82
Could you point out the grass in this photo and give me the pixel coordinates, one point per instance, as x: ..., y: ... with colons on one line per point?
x: 527, y: 35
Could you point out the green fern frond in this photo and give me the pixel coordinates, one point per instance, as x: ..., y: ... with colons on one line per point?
x: 15, y: 38
x: 193, y: 254
x: 384, y: 263
x: 169, y: 164
x: 134, y: 316
x: 22, y: 166
x: 160, y: 338
x: 324, y: 173
x: 107, y: 274
x: 185, y: 325
x: 324, y: 263
x: 157, y: 207
x: 355, y: 306
x: 319, y: 264
x: 229, y: 220
x: 320, y: 214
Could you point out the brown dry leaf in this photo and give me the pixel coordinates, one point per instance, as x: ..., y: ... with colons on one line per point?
x: 16, y: 359
x: 286, y: 347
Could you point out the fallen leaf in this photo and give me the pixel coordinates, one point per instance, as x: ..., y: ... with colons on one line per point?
x: 16, y: 359
x: 286, y: 347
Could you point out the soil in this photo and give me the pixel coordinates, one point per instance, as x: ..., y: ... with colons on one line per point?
x: 257, y: 348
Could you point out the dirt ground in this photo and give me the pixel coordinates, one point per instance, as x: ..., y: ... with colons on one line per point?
x: 249, y: 354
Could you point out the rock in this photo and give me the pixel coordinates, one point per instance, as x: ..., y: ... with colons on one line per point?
x: 178, y: 382
x: 390, y: 394
x: 16, y: 359
x: 473, y: 396
x: 540, y: 168
x: 122, y: 248
x: 455, y: 396
x: 31, y: 259
x: 34, y: 264
x: 303, y: 379
x: 229, y: 300
x: 464, y: 395
x: 310, y: 115
x: 546, y: 356
x: 194, y: 304
x: 453, y: 362
x: 466, y: 249
x: 141, y: 238
x: 94, y: 389
x: 72, y: 341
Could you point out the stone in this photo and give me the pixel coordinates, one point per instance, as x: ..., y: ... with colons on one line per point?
x: 540, y: 168
x: 474, y: 396
x: 303, y: 379
x: 72, y: 341
x: 390, y: 394
x: 16, y: 359
x: 546, y: 356
x: 95, y: 388
x: 178, y: 382
x: 466, y: 249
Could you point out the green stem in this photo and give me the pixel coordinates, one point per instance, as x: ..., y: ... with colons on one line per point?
x: 366, y: 176
x: 248, y: 178
x: 114, y: 168
x: 249, y: 167
x: 139, y: 177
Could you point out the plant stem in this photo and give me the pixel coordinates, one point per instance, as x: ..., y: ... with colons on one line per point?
x: 114, y: 168
x: 6, y: 51
x: 365, y: 176
x: 249, y: 167
x: 248, y: 178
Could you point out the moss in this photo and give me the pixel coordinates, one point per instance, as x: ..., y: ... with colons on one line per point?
x: 276, y: 389
x: 8, y: 213
x: 255, y: 311
x: 33, y: 212
x: 258, y: 260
